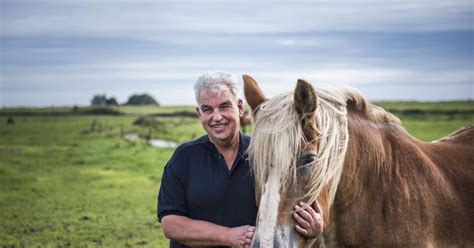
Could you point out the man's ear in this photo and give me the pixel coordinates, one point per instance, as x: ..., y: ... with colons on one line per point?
x: 198, y: 111
x: 240, y: 105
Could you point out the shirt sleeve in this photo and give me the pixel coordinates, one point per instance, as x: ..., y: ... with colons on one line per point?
x: 171, y: 198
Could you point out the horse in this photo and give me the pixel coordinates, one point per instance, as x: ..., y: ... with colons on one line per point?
x: 376, y: 184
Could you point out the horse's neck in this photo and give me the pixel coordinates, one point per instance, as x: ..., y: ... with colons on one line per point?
x: 394, y: 181
x: 384, y: 163
x: 378, y: 150
x: 378, y: 143
x: 383, y: 147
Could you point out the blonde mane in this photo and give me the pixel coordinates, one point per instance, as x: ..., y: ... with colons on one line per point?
x: 277, y: 139
x: 356, y: 101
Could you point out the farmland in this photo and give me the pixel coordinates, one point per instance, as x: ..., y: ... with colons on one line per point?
x: 68, y: 178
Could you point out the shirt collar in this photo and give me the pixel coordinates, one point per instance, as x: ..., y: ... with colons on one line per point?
x: 243, y: 144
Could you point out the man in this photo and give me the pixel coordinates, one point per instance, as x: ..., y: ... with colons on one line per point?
x: 207, y: 195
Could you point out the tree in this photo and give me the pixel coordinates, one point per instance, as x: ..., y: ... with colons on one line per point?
x: 99, y: 100
x: 111, y: 101
x: 143, y: 99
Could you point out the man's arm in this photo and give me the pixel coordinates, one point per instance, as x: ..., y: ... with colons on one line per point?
x: 202, y: 233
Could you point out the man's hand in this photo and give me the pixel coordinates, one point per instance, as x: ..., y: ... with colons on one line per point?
x: 241, y: 236
x: 309, y: 220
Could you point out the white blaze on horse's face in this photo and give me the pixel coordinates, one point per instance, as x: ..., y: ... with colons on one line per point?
x: 275, y: 226
x: 281, y: 152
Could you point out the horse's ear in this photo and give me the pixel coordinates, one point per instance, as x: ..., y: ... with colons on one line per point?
x: 253, y: 94
x: 305, y: 105
x: 305, y: 98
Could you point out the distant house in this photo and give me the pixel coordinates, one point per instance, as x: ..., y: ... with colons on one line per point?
x: 143, y: 99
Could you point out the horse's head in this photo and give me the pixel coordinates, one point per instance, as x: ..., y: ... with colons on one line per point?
x: 289, y: 153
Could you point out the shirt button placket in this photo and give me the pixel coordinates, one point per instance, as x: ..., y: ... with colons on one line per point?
x: 221, y: 157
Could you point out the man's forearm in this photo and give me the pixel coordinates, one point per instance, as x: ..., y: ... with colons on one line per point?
x: 194, y: 232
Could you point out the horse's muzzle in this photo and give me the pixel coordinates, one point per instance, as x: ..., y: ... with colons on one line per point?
x: 283, y: 238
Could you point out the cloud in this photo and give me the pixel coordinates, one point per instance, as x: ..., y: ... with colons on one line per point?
x: 63, y: 52
x: 172, y: 81
x: 154, y: 19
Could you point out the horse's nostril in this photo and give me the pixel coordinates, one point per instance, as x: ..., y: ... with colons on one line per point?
x: 255, y: 242
x: 277, y: 242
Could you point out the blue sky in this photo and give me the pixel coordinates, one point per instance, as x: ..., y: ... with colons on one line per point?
x: 63, y: 52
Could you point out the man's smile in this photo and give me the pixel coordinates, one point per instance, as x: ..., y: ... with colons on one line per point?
x: 219, y: 125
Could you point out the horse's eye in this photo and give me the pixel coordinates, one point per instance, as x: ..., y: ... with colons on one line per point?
x: 305, y: 162
x: 307, y: 158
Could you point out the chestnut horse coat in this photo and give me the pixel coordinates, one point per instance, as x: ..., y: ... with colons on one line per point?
x: 396, y: 190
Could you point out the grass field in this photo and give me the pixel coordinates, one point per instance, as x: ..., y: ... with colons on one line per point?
x: 68, y: 178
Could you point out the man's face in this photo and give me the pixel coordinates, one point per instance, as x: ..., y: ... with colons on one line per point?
x: 219, y: 115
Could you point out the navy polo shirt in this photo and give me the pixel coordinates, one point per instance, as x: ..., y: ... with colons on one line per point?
x: 197, y: 183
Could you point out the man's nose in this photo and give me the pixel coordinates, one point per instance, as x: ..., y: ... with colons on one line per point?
x: 217, y: 116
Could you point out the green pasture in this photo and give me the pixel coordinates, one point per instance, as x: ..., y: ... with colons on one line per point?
x: 68, y: 178
x: 424, y: 106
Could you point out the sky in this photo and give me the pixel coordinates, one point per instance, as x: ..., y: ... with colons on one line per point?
x: 57, y: 53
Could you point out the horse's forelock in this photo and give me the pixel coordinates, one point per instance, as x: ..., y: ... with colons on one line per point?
x: 275, y: 144
x: 277, y: 139
x: 331, y: 119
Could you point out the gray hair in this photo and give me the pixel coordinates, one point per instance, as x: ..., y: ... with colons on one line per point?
x: 216, y: 81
